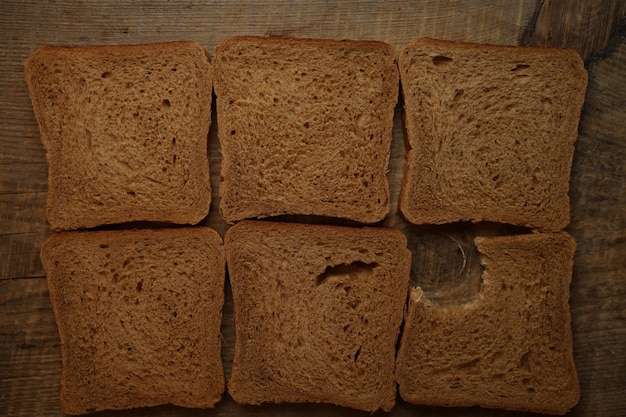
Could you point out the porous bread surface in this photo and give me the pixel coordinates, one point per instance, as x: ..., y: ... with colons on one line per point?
x: 317, y: 313
x: 305, y: 127
x: 139, y: 316
x: 125, y: 130
x: 491, y: 131
x: 511, y: 347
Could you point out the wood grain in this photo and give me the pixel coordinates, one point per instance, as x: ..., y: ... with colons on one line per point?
x: 598, y: 191
x: 30, y: 361
x: 585, y: 26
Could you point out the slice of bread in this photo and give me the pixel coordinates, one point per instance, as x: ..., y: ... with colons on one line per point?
x: 317, y: 313
x: 139, y: 314
x: 125, y: 130
x: 511, y: 347
x: 491, y: 132
x: 305, y: 127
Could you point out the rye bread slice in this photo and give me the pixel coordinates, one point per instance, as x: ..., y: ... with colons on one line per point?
x: 317, y: 313
x: 125, y: 130
x: 139, y: 314
x: 491, y: 132
x: 509, y: 348
x: 305, y: 127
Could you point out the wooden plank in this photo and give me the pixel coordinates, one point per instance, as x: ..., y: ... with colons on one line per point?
x: 18, y: 127
x: 24, y: 228
x: 30, y: 348
x: 29, y: 334
x: 394, y: 21
x: 23, y: 214
x: 19, y: 255
x: 585, y: 26
x: 598, y: 192
x: 18, y: 177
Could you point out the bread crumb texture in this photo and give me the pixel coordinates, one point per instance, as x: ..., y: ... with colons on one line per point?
x: 139, y: 316
x: 317, y: 313
x: 305, y: 127
x: 125, y: 130
x: 509, y: 348
x: 491, y: 131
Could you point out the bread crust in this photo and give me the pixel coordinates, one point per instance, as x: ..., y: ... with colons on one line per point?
x: 426, y: 41
x: 291, y: 41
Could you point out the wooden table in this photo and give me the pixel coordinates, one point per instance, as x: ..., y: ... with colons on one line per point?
x: 30, y: 362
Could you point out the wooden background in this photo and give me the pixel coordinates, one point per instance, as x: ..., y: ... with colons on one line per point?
x: 30, y: 362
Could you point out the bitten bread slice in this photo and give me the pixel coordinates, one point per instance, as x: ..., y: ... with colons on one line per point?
x: 125, y: 131
x: 491, y: 132
x: 511, y: 347
x: 139, y: 316
x: 317, y: 313
x: 305, y: 127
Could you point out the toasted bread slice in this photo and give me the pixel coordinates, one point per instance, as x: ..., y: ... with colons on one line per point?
x: 125, y: 130
x: 317, y: 313
x: 139, y: 316
x: 509, y: 348
x: 491, y: 131
x: 305, y: 127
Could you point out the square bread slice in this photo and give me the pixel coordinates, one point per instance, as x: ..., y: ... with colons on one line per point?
x: 305, y: 127
x: 125, y: 130
x: 139, y: 315
x: 491, y: 132
x: 317, y: 313
x: 509, y: 348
